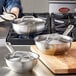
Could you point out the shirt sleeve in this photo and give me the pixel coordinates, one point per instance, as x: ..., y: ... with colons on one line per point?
x: 12, y: 3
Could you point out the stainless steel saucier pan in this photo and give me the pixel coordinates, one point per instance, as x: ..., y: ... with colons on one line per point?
x: 20, y: 61
x: 28, y: 24
x: 54, y: 44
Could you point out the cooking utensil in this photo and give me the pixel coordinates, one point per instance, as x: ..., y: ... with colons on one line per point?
x: 27, y: 25
x: 15, y: 55
x: 54, y: 44
x: 20, y: 61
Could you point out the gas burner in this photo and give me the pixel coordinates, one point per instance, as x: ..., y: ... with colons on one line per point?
x: 23, y: 37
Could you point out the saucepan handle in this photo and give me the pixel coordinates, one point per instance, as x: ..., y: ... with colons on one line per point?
x: 69, y: 28
x: 23, y: 18
x: 9, y: 46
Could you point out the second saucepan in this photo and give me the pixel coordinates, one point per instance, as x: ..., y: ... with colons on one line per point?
x: 54, y: 44
x: 20, y: 61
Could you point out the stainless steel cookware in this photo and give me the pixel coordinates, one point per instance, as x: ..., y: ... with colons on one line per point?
x: 28, y: 24
x: 54, y: 44
x: 20, y: 61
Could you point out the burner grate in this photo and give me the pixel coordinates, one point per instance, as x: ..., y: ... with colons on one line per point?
x: 59, y: 23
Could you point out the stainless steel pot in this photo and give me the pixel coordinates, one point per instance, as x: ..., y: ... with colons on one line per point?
x: 54, y: 44
x: 28, y: 24
x: 20, y: 61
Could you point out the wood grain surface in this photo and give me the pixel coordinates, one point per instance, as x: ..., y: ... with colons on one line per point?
x: 59, y: 64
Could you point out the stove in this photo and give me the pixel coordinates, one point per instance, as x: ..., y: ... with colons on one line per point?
x: 28, y: 39
x: 56, y: 6
x: 60, y: 21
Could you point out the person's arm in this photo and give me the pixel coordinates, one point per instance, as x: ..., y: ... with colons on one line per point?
x: 13, y: 6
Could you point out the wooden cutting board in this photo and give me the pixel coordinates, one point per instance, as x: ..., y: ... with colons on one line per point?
x: 60, y: 64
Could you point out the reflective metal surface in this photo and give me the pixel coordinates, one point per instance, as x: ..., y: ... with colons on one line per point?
x: 5, y: 71
x: 4, y: 28
x: 39, y: 70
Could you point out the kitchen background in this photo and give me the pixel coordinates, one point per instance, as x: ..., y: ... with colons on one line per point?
x: 54, y: 13
x: 55, y: 22
x: 41, y: 6
x: 36, y: 6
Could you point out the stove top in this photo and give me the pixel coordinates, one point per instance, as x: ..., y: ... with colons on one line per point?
x: 28, y: 39
x: 59, y: 23
x: 55, y: 23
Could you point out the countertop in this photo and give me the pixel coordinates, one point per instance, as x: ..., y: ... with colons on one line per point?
x: 39, y: 70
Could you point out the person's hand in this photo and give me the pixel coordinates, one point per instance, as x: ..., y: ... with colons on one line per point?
x: 8, y: 16
x: 15, y: 11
